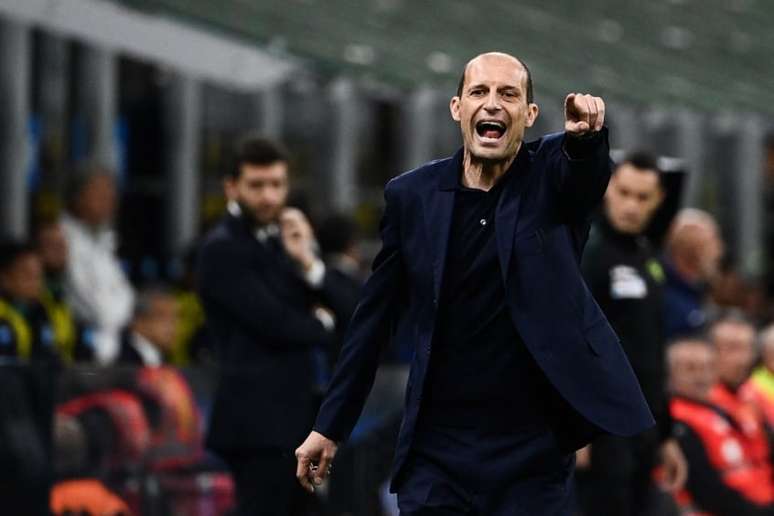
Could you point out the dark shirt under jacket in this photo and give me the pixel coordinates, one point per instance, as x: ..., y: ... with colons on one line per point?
x: 479, y: 361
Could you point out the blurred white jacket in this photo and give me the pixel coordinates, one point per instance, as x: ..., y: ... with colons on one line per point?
x: 97, y: 288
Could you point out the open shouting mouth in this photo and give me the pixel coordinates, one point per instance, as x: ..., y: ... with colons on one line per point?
x: 490, y: 130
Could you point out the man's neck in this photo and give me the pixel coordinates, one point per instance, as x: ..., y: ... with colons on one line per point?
x: 484, y: 174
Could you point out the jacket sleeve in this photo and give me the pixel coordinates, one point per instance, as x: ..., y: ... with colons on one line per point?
x: 229, y: 281
x: 580, y: 169
x: 705, y: 485
x: 368, y: 332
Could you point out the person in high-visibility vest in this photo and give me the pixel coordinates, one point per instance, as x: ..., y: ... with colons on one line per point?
x: 759, y: 388
x: 25, y: 329
x: 726, y: 475
x: 73, y: 338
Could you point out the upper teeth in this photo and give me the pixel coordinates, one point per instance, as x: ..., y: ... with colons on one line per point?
x: 496, y: 125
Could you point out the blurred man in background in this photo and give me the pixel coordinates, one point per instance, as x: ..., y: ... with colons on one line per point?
x: 626, y: 279
x: 726, y: 476
x: 694, y: 249
x: 759, y: 389
x: 264, y: 290
x: 97, y: 288
x: 149, y: 340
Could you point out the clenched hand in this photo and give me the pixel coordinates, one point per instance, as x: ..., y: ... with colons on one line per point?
x: 583, y: 114
x: 314, y: 458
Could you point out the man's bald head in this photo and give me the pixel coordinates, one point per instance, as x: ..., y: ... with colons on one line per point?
x: 695, y: 245
x: 498, y: 55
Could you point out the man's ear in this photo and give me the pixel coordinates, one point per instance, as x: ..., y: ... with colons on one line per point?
x: 532, y: 113
x: 661, y: 194
x: 454, y: 108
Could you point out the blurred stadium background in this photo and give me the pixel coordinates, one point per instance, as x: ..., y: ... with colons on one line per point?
x: 358, y: 91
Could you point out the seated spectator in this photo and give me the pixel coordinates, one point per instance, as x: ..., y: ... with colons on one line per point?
x: 73, y: 340
x: 25, y: 329
x: 96, y: 286
x: 734, y: 338
x: 151, y: 334
x: 726, y: 476
x: 692, y: 259
x: 759, y: 389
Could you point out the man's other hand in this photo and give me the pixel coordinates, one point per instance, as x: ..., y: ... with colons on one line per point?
x: 314, y: 458
x: 675, y: 466
x: 298, y: 237
x: 583, y: 114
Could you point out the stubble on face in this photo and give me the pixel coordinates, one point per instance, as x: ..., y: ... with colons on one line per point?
x: 261, y: 192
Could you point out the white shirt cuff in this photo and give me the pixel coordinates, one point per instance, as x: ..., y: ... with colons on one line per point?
x: 325, y: 318
x: 316, y: 274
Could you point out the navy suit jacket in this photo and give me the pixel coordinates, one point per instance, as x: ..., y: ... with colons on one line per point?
x: 542, y: 222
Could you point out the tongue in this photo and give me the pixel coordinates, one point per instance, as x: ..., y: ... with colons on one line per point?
x: 491, y: 133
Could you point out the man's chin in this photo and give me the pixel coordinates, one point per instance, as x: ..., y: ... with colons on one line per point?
x: 492, y: 155
x: 261, y: 219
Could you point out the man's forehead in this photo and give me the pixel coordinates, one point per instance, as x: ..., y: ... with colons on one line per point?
x: 278, y: 168
x: 485, y: 66
x: 634, y: 177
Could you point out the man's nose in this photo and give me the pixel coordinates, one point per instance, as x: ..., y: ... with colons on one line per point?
x: 492, y: 102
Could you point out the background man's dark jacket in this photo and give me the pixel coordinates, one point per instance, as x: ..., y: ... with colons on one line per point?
x: 260, y: 311
x: 541, y: 227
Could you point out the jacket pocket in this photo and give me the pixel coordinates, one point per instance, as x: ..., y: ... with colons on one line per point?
x: 529, y: 244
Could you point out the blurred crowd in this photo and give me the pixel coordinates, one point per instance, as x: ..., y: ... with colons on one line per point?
x: 108, y: 383
x: 103, y: 413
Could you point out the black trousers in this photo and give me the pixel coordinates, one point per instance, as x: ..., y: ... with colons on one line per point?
x: 618, y: 482
x: 483, y: 472
x: 266, y: 485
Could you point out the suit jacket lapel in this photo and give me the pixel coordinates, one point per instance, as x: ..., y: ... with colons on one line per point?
x: 507, y: 211
x: 438, y: 214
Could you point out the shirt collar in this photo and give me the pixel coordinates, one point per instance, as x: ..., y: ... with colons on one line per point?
x: 262, y: 233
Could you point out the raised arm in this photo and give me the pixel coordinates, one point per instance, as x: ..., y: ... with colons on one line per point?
x: 582, y: 166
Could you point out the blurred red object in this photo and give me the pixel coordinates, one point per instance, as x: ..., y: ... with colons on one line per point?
x: 127, y: 416
x: 177, y: 439
x: 88, y: 496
